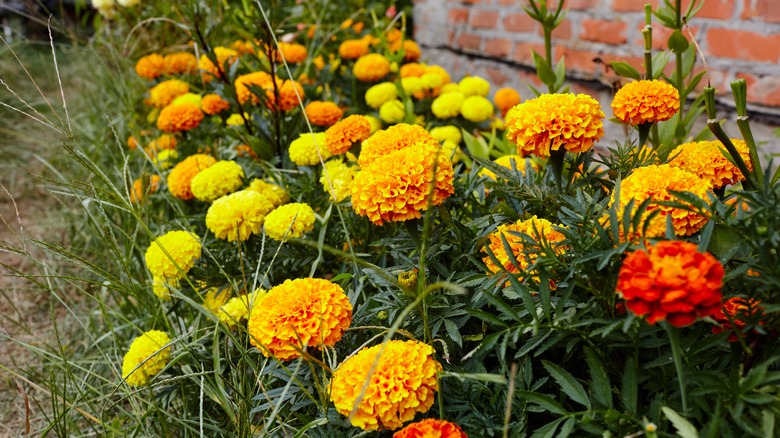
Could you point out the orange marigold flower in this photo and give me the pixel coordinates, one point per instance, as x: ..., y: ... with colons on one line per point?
x: 506, y: 161
x: 243, y: 47
x: 392, y: 139
x: 671, y: 281
x: 395, y: 187
x: 213, y: 104
x: 371, y: 67
x: 182, y: 174
x: 705, y: 159
x: 224, y: 56
x: 150, y: 66
x: 341, y: 136
x: 132, y: 142
x: 180, y: 63
x: 656, y: 182
x: 732, y: 313
x: 353, y: 49
x: 411, y: 49
x: 323, y: 113
x: 179, y: 117
x: 412, y: 70
x: 164, y: 141
x: 394, y: 35
x: 505, y: 99
x: 552, y: 121
x: 293, y: 53
x: 143, y: 187
x: 289, y: 94
x: 244, y: 150
x: 646, y: 102
x: 433, y: 428
x: 402, y: 384
x: 163, y: 93
x: 299, y: 314
x: 260, y: 79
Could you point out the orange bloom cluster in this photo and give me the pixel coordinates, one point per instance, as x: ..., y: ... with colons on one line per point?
x: 395, y: 187
x: 731, y: 313
x: 656, y: 182
x: 403, y: 383
x: 259, y: 78
x: 432, y: 78
x: 291, y: 52
x: 150, y: 66
x: 371, y: 67
x: 411, y: 49
x: 164, y: 141
x: 323, y: 113
x: 289, y: 93
x: 181, y: 175
x: 180, y: 63
x: 214, y: 104
x: 179, y: 117
x: 163, y: 93
x: 505, y: 99
x: 554, y: 121
x: 431, y: 428
x: 341, y: 136
x: 299, y: 314
x: 353, y: 49
x: 143, y: 188
x: 223, y: 55
x: 646, y: 102
x: 704, y: 158
x: 394, y: 138
x: 671, y: 281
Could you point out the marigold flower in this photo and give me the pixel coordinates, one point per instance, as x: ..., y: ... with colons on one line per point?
x: 705, y: 159
x: 299, y: 314
x: 647, y: 101
x: 214, y: 104
x: 392, y: 139
x: 656, y: 182
x: 215, y: 298
x: 144, y: 187
x: 289, y: 94
x: 476, y: 109
x: 147, y: 356
x: 402, y: 384
x: 371, y: 67
x: 277, y: 195
x: 192, y: 98
x: 552, y: 121
x: 448, y: 132
x: 224, y: 56
x: 671, y: 281
x: 235, y: 119
x: 163, y: 93
x: 395, y: 187
x: 181, y: 175
x: 505, y: 99
x: 307, y: 149
x: 447, y: 105
x: 732, y: 313
x: 431, y: 427
x: 353, y: 49
x: 392, y: 111
x: 436, y: 70
x: 239, y: 308
x: 413, y: 86
x: 340, y: 137
x: 180, y: 63
x: 336, y: 179
x: 164, y: 141
x: 173, y: 254
x: 474, y: 86
x: 289, y: 220
x: 179, y: 117
x: 411, y: 49
x: 323, y: 113
x: 411, y: 69
x: 244, y: 82
x: 150, y: 66
x: 238, y: 215
x: 293, y: 53
x: 506, y: 161
x: 381, y: 93
x: 243, y: 47
x: 408, y: 278
x: 217, y: 180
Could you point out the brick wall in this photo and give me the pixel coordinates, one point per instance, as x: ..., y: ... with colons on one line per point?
x: 494, y: 38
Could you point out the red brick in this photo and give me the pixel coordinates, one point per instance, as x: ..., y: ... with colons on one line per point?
x: 595, y: 64
x: 474, y: 2
x: 522, y: 52
x: 742, y: 44
x: 629, y: 5
x: 469, y: 41
x: 526, y: 77
x: 458, y: 15
x: 720, y: 9
x: 496, y: 76
x: 765, y: 91
x: 581, y: 4
x: 521, y: 22
x: 761, y: 9
x: 604, y: 31
x: 484, y: 19
x: 562, y: 32
x: 749, y: 78
x: 661, y: 35
x: 498, y: 47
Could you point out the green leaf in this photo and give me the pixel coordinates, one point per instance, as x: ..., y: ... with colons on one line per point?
x: 684, y: 428
x: 628, y: 394
x: 453, y: 332
x: 625, y: 70
x: 660, y: 60
x: 548, y: 430
x: 599, y: 379
x: 545, y: 73
x: 568, y: 384
x: 544, y: 401
x: 677, y: 42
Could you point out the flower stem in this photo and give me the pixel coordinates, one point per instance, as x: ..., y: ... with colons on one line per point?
x: 557, y: 161
x: 674, y: 343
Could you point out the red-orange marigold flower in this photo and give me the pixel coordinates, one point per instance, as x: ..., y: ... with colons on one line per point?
x: 431, y: 428
x: 179, y: 117
x: 646, y: 102
x: 671, y: 281
x: 213, y: 104
x: 732, y: 314
x: 392, y: 139
x: 341, y: 136
x: 323, y: 113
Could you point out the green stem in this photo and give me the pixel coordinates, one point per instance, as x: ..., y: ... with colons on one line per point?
x: 674, y: 343
x: 720, y: 134
x: 557, y: 162
x: 548, y: 54
x: 739, y: 88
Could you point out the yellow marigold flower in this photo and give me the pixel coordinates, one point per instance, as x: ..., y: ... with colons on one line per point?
x: 338, y: 176
x: 392, y: 139
x: 448, y: 132
x: 411, y: 69
x: 259, y: 79
x: 371, y: 67
x: 402, y: 384
x: 173, y: 254
x: 293, y: 53
x: 179, y: 117
x: 163, y: 93
x: 164, y: 158
x: 438, y: 71
x: 656, y: 181
x: 319, y: 63
x: 224, y: 56
x: 142, y: 187
x: 160, y: 287
x: 451, y: 150
x: 477, y: 109
x: 289, y: 220
x: 408, y: 278
x: 164, y: 141
x: 277, y: 195
x: 381, y: 93
x: 307, y: 149
x: 341, y: 136
x: 323, y: 113
x: 552, y: 121
x: 299, y: 314
x: 474, y: 86
x: 505, y: 99
x: 217, y: 180
x: 705, y: 159
x: 215, y: 298
x: 449, y: 88
x: 646, y: 102
x: 540, y: 230
x: 353, y: 49
x: 433, y: 428
x: 235, y: 119
x: 506, y: 161
x: 411, y: 49
x: 150, y: 66
x: 392, y: 111
x: 180, y: 63
x: 181, y: 176
x: 214, y: 104
x: 447, y: 105
x: 375, y: 123
x: 238, y: 308
x: 238, y: 215
x: 395, y: 187
x: 147, y: 356
x: 413, y: 86
x: 192, y: 98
